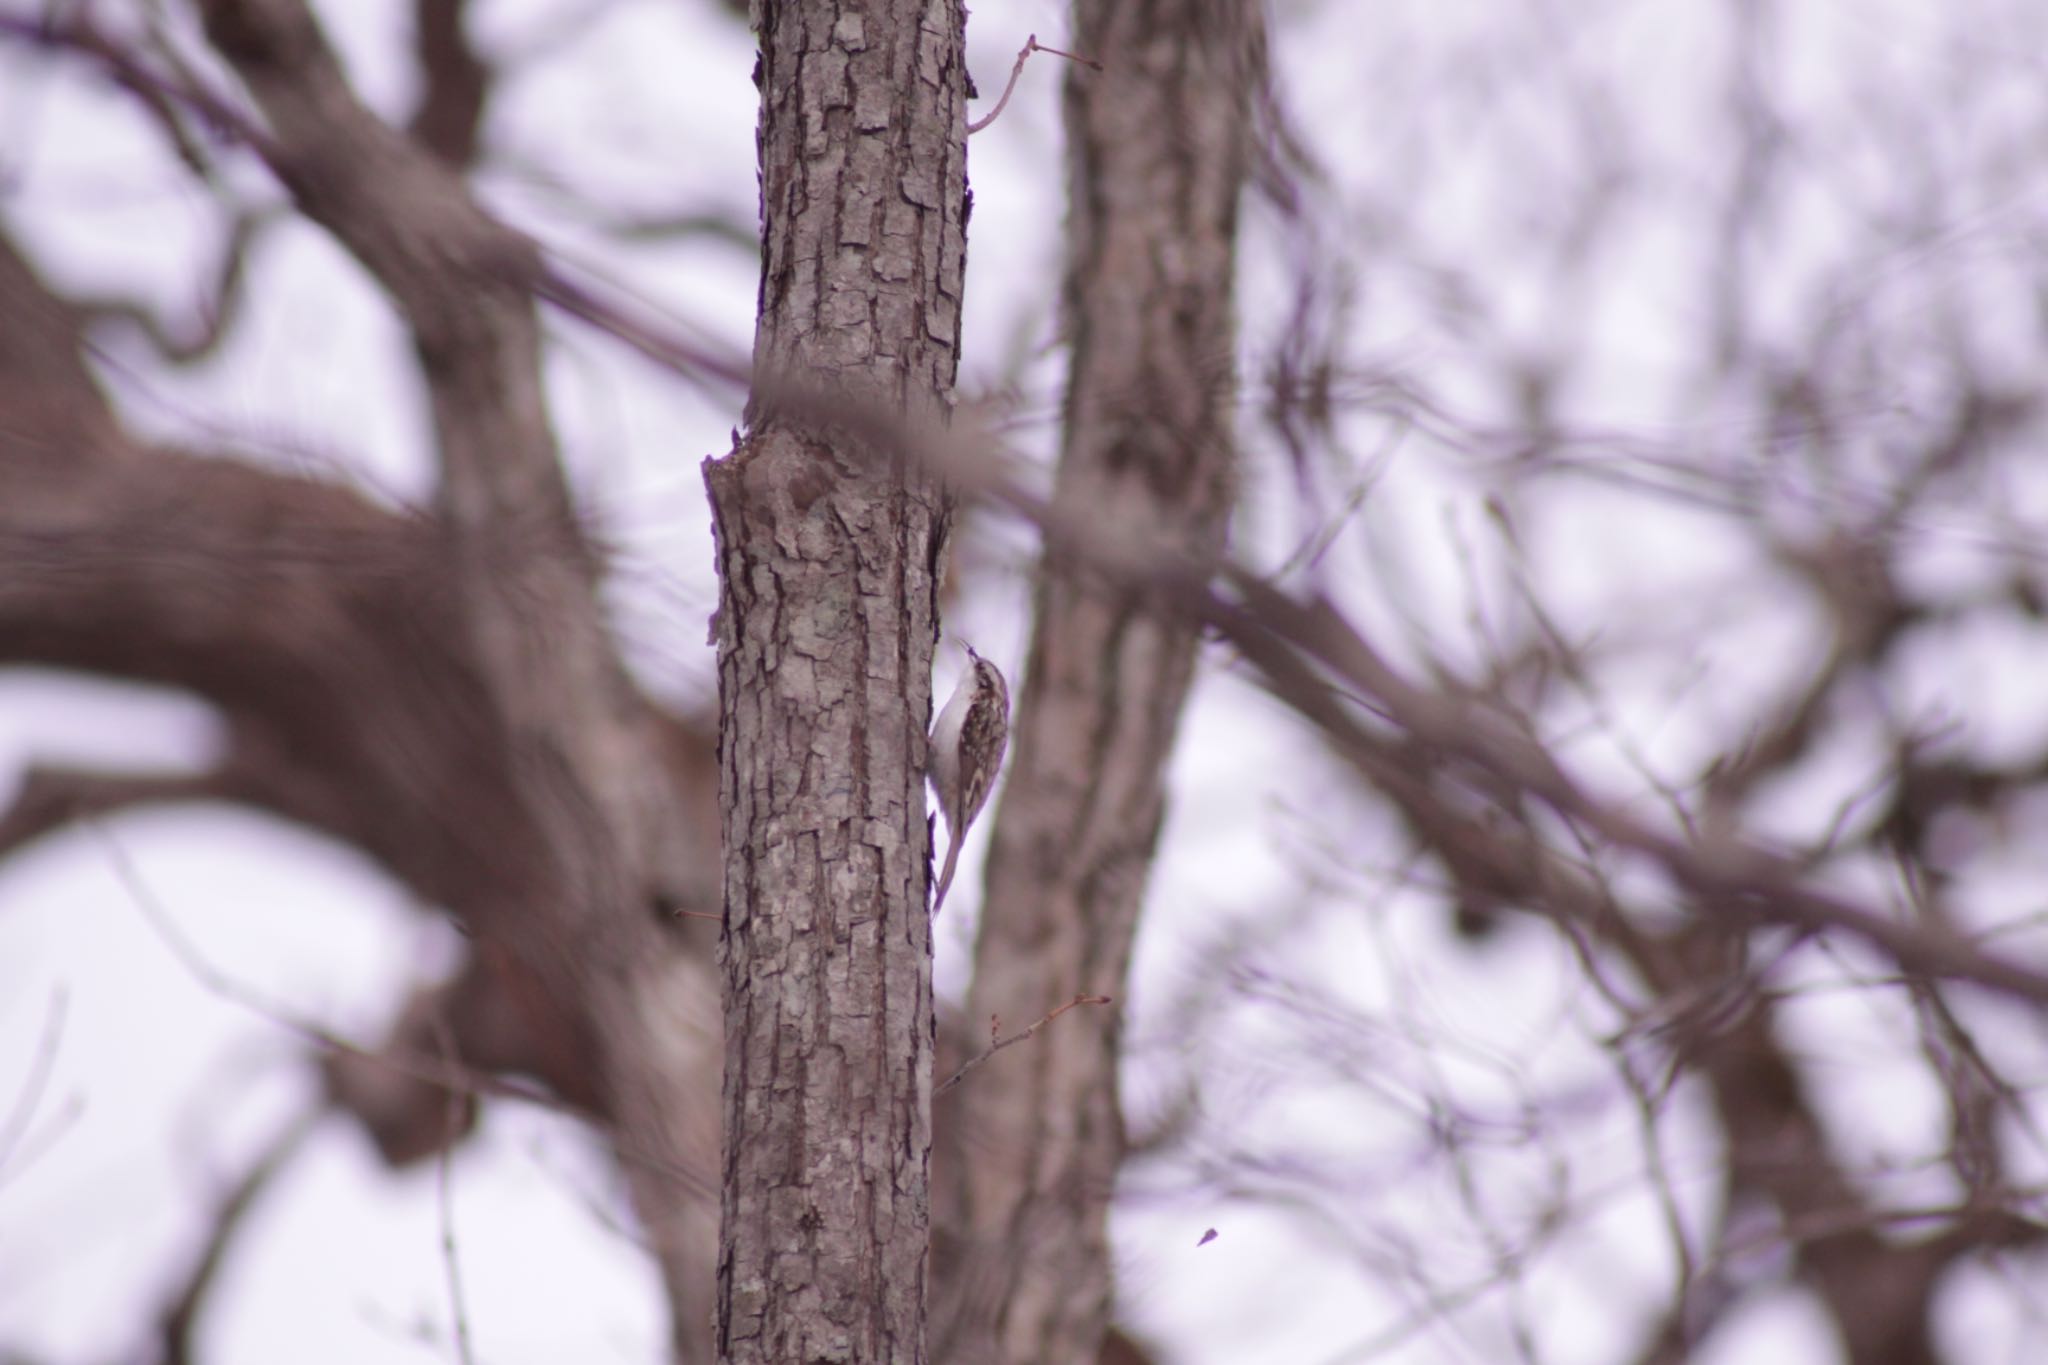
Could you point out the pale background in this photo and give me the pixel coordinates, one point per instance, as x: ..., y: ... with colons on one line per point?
x: 1444, y: 157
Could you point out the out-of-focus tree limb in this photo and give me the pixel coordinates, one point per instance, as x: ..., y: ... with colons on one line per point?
x: 456, y: 80
x: 1149, y: 443
x: 181, y: 1313
x: 446, y: 700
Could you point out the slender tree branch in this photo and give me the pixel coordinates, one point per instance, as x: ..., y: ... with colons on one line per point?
x: 444, y: 1200
x: 1031, y: 45
x: 999, y: 1044
x: 22, y: 1113
x: 179, y: 1318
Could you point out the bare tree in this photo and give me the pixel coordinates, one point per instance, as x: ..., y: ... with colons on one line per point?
x: 829, y: 549
x: 1625, y: 637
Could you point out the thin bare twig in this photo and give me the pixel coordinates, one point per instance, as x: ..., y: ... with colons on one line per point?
x: 1031, y: 45
x: 999, y: 1044
x: 462, y: 1081
x: 444, y: 1039
x: 666, y: 347
x: 160, y: 94
x: 15, y: 1128
x: 459, y: 1079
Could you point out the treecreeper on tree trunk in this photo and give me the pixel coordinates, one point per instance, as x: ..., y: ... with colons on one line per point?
x: 967, y: 745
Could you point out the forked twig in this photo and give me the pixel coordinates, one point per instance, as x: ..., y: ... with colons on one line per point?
x: 1031, y: 45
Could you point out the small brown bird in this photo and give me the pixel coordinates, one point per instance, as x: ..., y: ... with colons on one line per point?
x: 967, y: 745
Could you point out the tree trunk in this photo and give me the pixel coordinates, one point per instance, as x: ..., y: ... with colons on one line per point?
x: 827, y: 547
x: 1158, y: 151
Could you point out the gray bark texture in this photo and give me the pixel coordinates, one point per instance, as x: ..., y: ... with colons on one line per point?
x: 1158, y: 151
x: 827, y: 550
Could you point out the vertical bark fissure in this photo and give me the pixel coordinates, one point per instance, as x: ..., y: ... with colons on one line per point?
x: 825, y: 633
x: 1158, y: 152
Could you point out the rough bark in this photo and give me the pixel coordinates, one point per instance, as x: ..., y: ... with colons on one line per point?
x: 827, y: 549
x: 1158, y: 153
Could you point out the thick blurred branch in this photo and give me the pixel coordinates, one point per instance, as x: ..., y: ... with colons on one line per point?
x: 441, y: 691
x: 457, y: 82
x: 1150, y: 447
